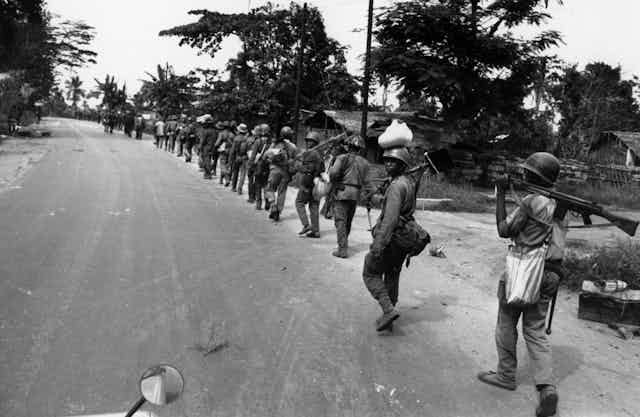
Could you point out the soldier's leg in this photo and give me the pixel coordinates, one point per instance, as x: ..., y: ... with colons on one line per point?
x: 372, y: 276
x: 301, y: 203
x: 188, y: 152
x: 180, y: 147
x: 314, y: 214
x: 258, y: 184
x: 214, y: 164
x: 534, y: 319
x: 235, y: 172
x: 272, y: 186
x: 206, y: 164
x: 393, y: 259
x: 251, y: 181
x: 340, y: 213
x: 242, y: 174
x: 283, y: 186
x: 351, y: 212
x: 506, y: 339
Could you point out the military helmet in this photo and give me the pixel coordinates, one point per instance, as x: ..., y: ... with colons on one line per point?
x: 400, y: 154
x: 264, y: 129
x: 242, y: 128
x: 544, y: 165
x: 356, y: 141
x: 313, y: 137
x: 286, y: 133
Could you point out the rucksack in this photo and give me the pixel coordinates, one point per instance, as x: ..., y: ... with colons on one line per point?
x: 410, y: 237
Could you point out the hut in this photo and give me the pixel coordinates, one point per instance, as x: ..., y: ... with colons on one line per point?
x: 616, y: 148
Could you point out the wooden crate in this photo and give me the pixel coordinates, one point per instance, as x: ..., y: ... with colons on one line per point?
x: 606, y: 309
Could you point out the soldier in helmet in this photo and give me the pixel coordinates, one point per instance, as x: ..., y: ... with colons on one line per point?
x: 190, y: 138
x: 531, y: 225
x: 309, y: 166
x: 281, y: 156
x: 208, y: 134
x: 250, y: 164
x: 260, y: 164
x: 237, y: 157
x: 223, y: 147
x: 348, y: 174
x: 383, y: 263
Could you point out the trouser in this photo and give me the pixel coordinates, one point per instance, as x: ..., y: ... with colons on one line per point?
x: 166, y: 142
x: 214, y: 161
x: 138, y: 133
x: 205, y: 158
x: 172, y: 143
x: 343, y: 212
x: 242, y: 174
x: 159, y: 140
x: 188, y: 151
x: 381, y: 275
x: 534, y: 318
x: 277, y: 188
x: 304, y: 197
x: 251, y: 178
x: 180, y: 147
x: 225, y: 170
x: 258, y: 187
x: 235, y: 173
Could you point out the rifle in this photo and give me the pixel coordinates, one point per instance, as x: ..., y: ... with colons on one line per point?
x: 567, y: 202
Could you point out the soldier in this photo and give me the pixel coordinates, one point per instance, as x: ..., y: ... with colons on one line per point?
x: 138, y: 125
x: 159, y: 132
x: 238, y: 157
x: 250, y: 165
x: 172, y: 131
x: 260, y: 163
x: 281, y: 156
x: 309, y: 166
x: 383, y: 263
x: 208, y: 140
x: 531, y: 225
x: 182, y: 125
x: 190, y: 138
x: 223, y: 147
x: 348, y: 175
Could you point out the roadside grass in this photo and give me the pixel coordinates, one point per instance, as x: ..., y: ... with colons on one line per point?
x: 464, y: 197
x: 625, y: 196
x: 620, y: 261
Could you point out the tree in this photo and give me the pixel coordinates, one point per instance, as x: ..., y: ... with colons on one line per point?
x: 262, y: 76
x: 462, y: 54
x: 167, y: 92
x: 592, y: 101
x: 74, y: 91
x: 113, y: 98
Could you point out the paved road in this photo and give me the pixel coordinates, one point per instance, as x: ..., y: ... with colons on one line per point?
x: 115, y: 256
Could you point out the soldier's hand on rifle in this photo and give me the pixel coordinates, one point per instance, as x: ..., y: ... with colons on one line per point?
x: 502, y: 182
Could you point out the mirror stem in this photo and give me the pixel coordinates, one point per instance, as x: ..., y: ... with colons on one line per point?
x: 135, y: 407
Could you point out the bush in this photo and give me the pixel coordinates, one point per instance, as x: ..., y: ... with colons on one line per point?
x: 623, y: 196
x: 618, y: 262
x: 464, y: 196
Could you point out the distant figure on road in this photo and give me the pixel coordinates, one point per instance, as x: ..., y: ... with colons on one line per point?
x: 128, y: 123
x: 223, y: 148
x: 159, y: 132
x: 348, y: 175
x: 238, y: 157
x: 138, y: 125
x: 260, y: 164
x: 309, y: 166
x: 530, y: 227
x: 250, y: 165
x: 190, y: 138
x: 172, y: 130
x: 383, y: 263
x: 209, y: 134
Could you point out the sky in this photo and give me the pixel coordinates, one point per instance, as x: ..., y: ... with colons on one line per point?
x: 128, y: 44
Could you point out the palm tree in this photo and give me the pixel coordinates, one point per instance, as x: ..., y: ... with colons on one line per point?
x: 74, y: 92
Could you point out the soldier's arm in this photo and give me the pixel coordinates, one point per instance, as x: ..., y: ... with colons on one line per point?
x: 395, y: 196
x: 335, y: 172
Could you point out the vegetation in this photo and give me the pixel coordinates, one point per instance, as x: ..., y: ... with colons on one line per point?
x: 262, y: 77
x: 618, y: 262
x: 625, y: 196
x: 167, y: 92
x: 464, y: 197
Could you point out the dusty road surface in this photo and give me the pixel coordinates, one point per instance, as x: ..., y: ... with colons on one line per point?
x: 115, y: 256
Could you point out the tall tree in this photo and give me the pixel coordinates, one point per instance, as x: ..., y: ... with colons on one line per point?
x: 167, y: 92
x: 263, y: 75
x: 74, y: 91
x: 463, y: 54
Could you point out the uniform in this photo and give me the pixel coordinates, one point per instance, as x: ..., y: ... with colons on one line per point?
x: 260, y: 168
x: 249, y: 172
x: 348, y: 175
x: 208, y: 140
x: 238, y: 160
x: 159, y: 133
x: 190, y: 139
x: 223, y: 148
x: 279, y: 155
x: 383, y: 263
x: 309, y: 166
x: 172, y: 130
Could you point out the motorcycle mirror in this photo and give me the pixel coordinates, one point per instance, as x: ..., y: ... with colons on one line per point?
x: 161, y: 384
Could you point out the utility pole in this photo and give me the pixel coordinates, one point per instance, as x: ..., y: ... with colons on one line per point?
x: 367, y: 74
x: 303, y: 30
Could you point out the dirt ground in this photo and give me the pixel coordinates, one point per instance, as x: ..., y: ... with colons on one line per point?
x: 17, y: 156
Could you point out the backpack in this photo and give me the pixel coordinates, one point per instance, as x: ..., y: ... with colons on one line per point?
x: 410, y: 237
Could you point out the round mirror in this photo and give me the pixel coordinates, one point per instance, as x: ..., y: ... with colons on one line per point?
x: 161, y: 384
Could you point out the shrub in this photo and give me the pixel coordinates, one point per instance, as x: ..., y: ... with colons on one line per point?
x: 618, y: 262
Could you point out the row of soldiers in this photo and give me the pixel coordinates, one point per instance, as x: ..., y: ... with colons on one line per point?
x: 269, y: 162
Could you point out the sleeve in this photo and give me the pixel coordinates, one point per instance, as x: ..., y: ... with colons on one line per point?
x: 394, y: 198
x: 335, y: 172
x: 513, y: 224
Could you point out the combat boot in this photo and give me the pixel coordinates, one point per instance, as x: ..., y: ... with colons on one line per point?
x: 389, y: 315
x: 548, y: 401
x: 340, y: 253
x: 304, y: 231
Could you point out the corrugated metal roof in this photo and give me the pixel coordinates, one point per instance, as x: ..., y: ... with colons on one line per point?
x: 630, y: 139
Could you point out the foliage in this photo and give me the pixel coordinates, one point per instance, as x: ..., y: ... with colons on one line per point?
x: 167, y: 92
x: 113, y: 98
x: 462, y: 54
x: 463, y: 196
x: 626, y: 196
x: 74, y: 91
x: 618, y: 262
x: 591, y: 101
x: 262, y: 76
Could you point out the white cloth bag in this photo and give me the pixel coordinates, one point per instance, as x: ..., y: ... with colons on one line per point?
x: 396, y: 134
x: 524, y: 273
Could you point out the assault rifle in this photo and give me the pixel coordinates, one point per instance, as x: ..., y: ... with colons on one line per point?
x: 586, y: 209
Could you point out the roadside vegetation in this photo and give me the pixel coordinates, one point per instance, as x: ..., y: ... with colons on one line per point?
x: 464, y: 197
x: 620, y: 261
x: 625, y: 196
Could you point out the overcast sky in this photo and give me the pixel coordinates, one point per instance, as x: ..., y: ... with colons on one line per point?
x: 128, y: 44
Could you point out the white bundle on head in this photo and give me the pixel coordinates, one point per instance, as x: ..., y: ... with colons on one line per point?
x: 395, y: 135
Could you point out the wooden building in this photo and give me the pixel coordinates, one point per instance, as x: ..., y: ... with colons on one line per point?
x: 616, y: 148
